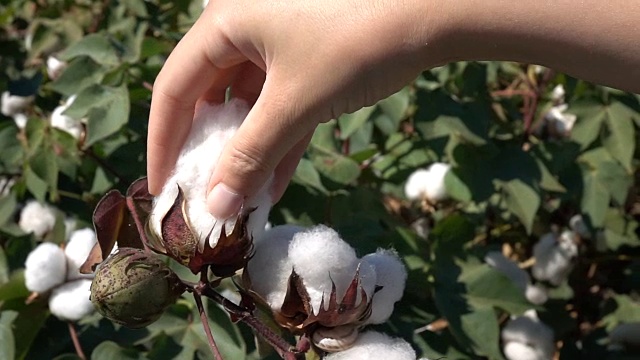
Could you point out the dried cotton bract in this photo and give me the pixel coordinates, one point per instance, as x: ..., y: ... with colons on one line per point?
x: 554, y: 257
x: 527, y: 338
x: 37, y: 218
x: 428, y: 184
x: 375, y: 345
x: 213, y: 127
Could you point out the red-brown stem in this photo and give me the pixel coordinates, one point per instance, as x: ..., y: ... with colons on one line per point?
x: 76, y: 341
x: 207, y: 328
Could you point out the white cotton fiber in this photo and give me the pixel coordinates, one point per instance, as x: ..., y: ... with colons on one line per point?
x: 213, y: 126
x: 391, y: 276
x: 71, y: 300
x: 319, y: 256
x: 55, y: 67
x: 526, y: 337
x: 45, y: 267
x: 415, y: 188
x: 436, y: 189
x: 554, y: 256
x: 270, y: 267
x: 374, y: 345
x: 77, y: 250
x: 577, y: 224
x: 65, y: 122
x: 37, y: 218
x: 14, y: 104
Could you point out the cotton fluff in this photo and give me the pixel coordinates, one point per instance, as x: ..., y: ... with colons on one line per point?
x: 562, y: 121
x: 77, y: 250
x: 212, y: 128
x: 37, y: 218
x: 557, y: 94
x: 320, y: 256
x: 392, y: 276
x: 14, y: 104
x: 527, y: 338
x: 554, y: 257
x: 535, y: 294
x: 375, y: 345
x: 45, y: 267
x: 577, y: 224
x: 626, y: 334
x: 71, y: 300
x: 270, y: 267
x: 65, y: 122
x: 428, y: 184
x: 20, y: 120
x: 55, y: 67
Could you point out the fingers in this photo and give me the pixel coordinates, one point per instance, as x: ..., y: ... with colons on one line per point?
x: 275, y: 127
x: 187, y: 75
x: 287, y: 167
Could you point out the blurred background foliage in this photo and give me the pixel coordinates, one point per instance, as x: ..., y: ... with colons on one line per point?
x: 515, y: 176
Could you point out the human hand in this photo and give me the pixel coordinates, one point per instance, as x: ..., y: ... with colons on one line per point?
x: 299, y: 62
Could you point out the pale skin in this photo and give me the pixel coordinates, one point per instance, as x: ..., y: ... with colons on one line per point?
x: 303, y: 62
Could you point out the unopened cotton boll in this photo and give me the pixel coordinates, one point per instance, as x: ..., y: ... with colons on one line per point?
x: 37, y: 218
x: 554, y: 257
x: 213, y: 126
x: 526, y: 337
x: 71, y: 300
x: 45, y: 267
x: 55, y: 67
x: 14, y: 104
x: 319, y: 256
x: 375, y: 345
x: 77, y: 250
x: 391, y: 275
x: 270, y: 267
x: 65, y: 122
x: 626, y: 334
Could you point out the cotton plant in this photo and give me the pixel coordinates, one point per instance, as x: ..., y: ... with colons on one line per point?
x: 37, y: 218
x: 55, y: 67
x: 51, y: 270
x: 554, y: 255
x: 558, y: 121
x: 536, y: 294
x: 66, y: 123
x: 428, y: 184
x: 15, y: 106
x: 315, y: 285
x: 527, y: 338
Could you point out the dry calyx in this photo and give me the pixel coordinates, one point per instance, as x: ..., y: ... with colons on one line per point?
x: 314, y: 285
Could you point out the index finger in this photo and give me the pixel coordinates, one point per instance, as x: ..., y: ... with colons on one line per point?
x: 202, y: 63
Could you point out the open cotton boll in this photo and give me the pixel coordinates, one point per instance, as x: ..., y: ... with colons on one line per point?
x: 20, y: 119
x: 14, y: 104
x: 213, y: 126
x: 319, y: 256
x: 626, y: 334
x: 65, y: 122
x: 563, y: 122
x: 45, y: 267
x: 375, y: 345
x: 270, y: 267
x: 55, y: 67
x: 436, y: 190
x: 536, y: 294
x: 554, y: 256
x: 37, y: 218
x: 557, y: 94
x: 533, y: 339
x: 577, y: 224
x: 71, y: 300
x: 77, y: 250
x: 392, y: 276
x: 415, y: 188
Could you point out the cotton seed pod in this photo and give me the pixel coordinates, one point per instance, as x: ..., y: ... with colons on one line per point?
x: 133, y: 287
x: 46, y: 267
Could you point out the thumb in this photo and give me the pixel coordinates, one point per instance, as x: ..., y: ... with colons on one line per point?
x: 273, y: 127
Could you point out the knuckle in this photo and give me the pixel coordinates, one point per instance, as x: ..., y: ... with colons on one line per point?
x: 248, y: 162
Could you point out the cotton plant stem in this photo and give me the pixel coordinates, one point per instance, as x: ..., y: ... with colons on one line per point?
x: 76, y: 342
x: 207, y: 328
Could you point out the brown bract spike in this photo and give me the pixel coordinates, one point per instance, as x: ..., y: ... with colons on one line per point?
x: 229, y: 254
x: 177, y: 237
x: 296, y: 306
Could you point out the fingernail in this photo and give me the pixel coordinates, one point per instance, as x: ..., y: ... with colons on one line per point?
x: 223, y: 203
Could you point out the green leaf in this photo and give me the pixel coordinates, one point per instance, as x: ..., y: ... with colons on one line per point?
x: 627, y: 310
x: 549, y: 181
x: 8, y: 206
x: 621, y: 140
x: 456, y: 188
x: 80, y: 73
x: 522, y: 200
x: 350, y: 123
x: 4, y: 268
x: 595, y: 199
x: 14, y: 287
x: 620, y: 230
x: 36, y: 185
x: 307, y: 175
x: 99, y: 47
x: 396, y: 106
x: 109, y: 350
x: 337, y: 168
x: 7, y: 341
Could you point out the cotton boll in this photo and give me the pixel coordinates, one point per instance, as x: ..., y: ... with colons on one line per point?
x: 45, y: 267
x: 319, y: 256
x: 65, y: 122
x: 536, y: 294
x: 37, y: 218
x: 55, y: 67
x: 558, y: 92
x: 436, y: 190
x: 71, y: 300
x: 375, y: 345
x: 77, y: 251
x: 534, y: 338
x: 20, y: 120
x: 577, y: 224
x: 626, y: 334
x: 212, y: 128
x: 14, y: 104
x: 415, y: 188
x: 270, y: 267
x: 563, y: 122
x: 392, y: 276
x: 554, y: 257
